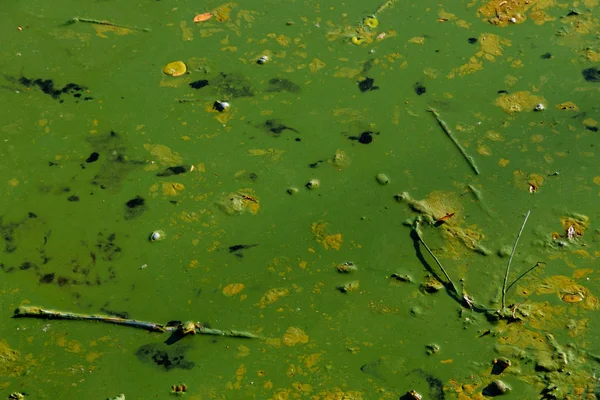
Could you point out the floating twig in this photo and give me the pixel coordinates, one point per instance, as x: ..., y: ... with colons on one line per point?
x: 184, y: 328
x: 451, y: 136
x: 189, y: 100
x: 537, y: 264
x: 384, y: 6
x: 512, y: 253
x: 417, y: 231
x: 106, y: 23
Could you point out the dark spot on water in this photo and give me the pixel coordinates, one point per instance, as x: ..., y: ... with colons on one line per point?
x: 180, y: 169
x: 502, y: 92
x: 232, y: 85
x: 137, y: 201
x: 164, y: 356
x: 472, y: 40
x: 315, y: 164
x: 591, y: 74
x: 365, y: 137
x: 92, y: 158
x: 546, y: 56
x: 419, y: 89
x: 199, y: 84
x: 26, y: 265
x: 298, y: 139
x: 73, y: 198
x: 591, y: 128
x: 47, y: 87
x: 118, y: 314
x: 282, y: 85
x: 47, y: 278
x: 367, y: 84
x: 31, y: 215
x: 252, y: 176
x: 62, y: 281
x: 239, y: 247
x: 367, y: 65
x: 276, y: 127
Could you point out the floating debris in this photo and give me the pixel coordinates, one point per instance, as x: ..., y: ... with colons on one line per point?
x: 346, y: 267
x: 539, y: 107
x: 499, y: 365
x: 496, y: 388
x: 179, y: 389
x: 16, y: 396
x: 432, y: 349
x: 262, y: 60
x: 157, y: 236
x: 382, y: 179
x: 176, y: 68
x: 221, y: 106
x: 313, y: 184
x: 401, y: 277
x: 292, y: 191
x: 349, y: 287
x: 432, y: 285
x: 203, y: 17
x: 412, y: 395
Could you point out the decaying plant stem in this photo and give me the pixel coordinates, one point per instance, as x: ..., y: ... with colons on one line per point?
x: 451, y: 136
x: 106, y: 23
x: 512, y: 253
x: 187, y: 328
x: 420, y: 237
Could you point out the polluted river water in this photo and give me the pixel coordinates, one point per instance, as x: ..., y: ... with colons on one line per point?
x: 300, y: 200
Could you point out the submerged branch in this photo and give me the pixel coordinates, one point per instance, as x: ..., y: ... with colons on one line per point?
x: 456, y: 143
x: 184, y: 328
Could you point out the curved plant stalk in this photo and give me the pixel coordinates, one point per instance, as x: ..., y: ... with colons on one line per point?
x: 512, y: 253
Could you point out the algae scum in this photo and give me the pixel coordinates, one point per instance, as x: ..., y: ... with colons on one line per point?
x: 300, y: 200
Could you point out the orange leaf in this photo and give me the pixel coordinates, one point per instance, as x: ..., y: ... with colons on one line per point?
x: 203, y: 17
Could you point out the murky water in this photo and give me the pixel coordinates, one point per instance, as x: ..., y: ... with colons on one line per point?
x: 101, y: 147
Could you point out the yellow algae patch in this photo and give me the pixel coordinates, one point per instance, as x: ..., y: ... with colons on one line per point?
x: 9, y: 360
x: 171, y: 188
x: 576, y: 224
x: 597, y: 180
x: 164, y: 154
x: 503, y: 162
x: 417, y: 40
x: 243, y: 351
x: 271, y: 154
x: 503, y: 13
x: 294, y: 336
x: 568, y: 106
x: 530, y: 182
x: 569, y: 291
x: 233, y: 288
x: 101, y: 30
x: 490, y: 47
x: 13, y: 182
x: 329, y: 241
x: 315, y: 65
x: 240, y: 201
x: 519, y: 101
x: 272, y: 295
x: 223, y: 12
x: 339, y: 394
x: 175, y: 68
x: 92, y: 356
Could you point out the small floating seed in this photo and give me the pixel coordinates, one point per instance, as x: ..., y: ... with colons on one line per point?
x: 262, y: 60
x: 539, y: 107
x: 346, y: 267
x: 382, y: 179
x: 292, y: 191
x: 157, y: 236
x: 313, y: 184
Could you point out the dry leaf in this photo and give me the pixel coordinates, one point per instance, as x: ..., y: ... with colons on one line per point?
x: 203, y: 17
